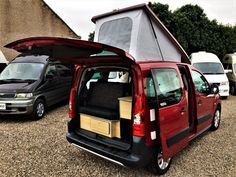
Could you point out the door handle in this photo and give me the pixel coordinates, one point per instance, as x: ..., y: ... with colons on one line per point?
x: 199, y: 102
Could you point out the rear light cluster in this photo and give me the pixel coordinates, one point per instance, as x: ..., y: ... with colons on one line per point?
x: 72, y: 103
x: 138, y: 122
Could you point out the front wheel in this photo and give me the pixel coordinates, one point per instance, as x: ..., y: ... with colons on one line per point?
x: 38, y: 110
x: 232, y: 90
x: 159, y: 166
x: 216, y: 120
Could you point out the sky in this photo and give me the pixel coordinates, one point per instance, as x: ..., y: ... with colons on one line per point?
x: 78, y: 13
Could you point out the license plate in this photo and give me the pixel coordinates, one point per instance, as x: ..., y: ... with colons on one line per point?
x: 2, y: 106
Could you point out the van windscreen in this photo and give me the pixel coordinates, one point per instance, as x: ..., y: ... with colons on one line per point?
x: 22, y: 71
x: 209, y: 68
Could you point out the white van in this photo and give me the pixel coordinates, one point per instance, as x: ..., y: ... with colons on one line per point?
x: 210, y: 65
x: 229, y: 63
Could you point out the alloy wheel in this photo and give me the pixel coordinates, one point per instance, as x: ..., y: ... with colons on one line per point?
x: 40, y: 109
x: 216, y: 119
x: 163, y: 164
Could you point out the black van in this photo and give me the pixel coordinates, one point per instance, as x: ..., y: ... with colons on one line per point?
x: 30, y: 83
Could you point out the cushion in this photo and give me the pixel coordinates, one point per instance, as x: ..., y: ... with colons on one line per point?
x: 100, y: 112
x: 102, y: 100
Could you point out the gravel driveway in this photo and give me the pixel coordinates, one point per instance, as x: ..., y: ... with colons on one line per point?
x: 39, y: 148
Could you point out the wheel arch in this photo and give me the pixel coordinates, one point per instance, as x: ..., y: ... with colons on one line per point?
x: 42, y: 98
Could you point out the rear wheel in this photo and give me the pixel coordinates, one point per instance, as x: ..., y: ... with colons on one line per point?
x: 38, y: 110
x: 159, y: 166
x: 216, y: 120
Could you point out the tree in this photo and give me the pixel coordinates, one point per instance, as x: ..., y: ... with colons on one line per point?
x: 163, y: 13
x: 91, y: 36
x: 189, y: 26
x: 194, y: 31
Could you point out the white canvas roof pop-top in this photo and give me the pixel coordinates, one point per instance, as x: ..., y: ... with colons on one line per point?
x: 3, y: 61
x: 138, y: 31
x: 2, y: 58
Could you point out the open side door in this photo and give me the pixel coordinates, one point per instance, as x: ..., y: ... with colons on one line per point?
x: 70, y: 50
x: 172, y: 110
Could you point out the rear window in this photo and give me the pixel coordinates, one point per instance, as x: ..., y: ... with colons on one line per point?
x: 209, y: 68
x: 99, y: 75
x: 105, y: 75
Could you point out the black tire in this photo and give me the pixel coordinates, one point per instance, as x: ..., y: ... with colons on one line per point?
x: 158, y: 166
x: 38, y: 110
x: 232, y: 90
x: 216, y: 120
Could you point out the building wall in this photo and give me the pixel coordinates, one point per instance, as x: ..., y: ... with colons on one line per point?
x: 27, y: 18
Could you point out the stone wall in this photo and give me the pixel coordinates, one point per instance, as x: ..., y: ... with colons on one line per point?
x: 28, y: 18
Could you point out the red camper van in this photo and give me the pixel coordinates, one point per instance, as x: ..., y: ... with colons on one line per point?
x: 139, y: 108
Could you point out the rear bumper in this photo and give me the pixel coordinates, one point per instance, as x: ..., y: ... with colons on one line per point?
x: 139, y: 156
x: 17, y: 106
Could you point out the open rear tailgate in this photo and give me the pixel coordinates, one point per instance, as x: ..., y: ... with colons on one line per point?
x: 70, y: 50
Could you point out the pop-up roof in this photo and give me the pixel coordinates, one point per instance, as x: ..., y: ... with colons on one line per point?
x: 2, y: 58
x: 138, y: 31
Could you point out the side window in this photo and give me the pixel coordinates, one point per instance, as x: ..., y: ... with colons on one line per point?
x: 51, y: 70
x: 150, y: 92
x: 169, y: 90
x: 64, y: 70
x: 150, y: 88
x: 200, y: 82
x: 119, y: 30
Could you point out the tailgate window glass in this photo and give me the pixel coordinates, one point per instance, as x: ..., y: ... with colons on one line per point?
x: 168, y: 86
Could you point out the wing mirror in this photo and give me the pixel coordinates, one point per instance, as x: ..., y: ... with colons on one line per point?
x: 214, y: 89
x: 49, y: 77
x: 228, y: 71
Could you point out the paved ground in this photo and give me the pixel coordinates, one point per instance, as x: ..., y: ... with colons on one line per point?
x: 39, y: 148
